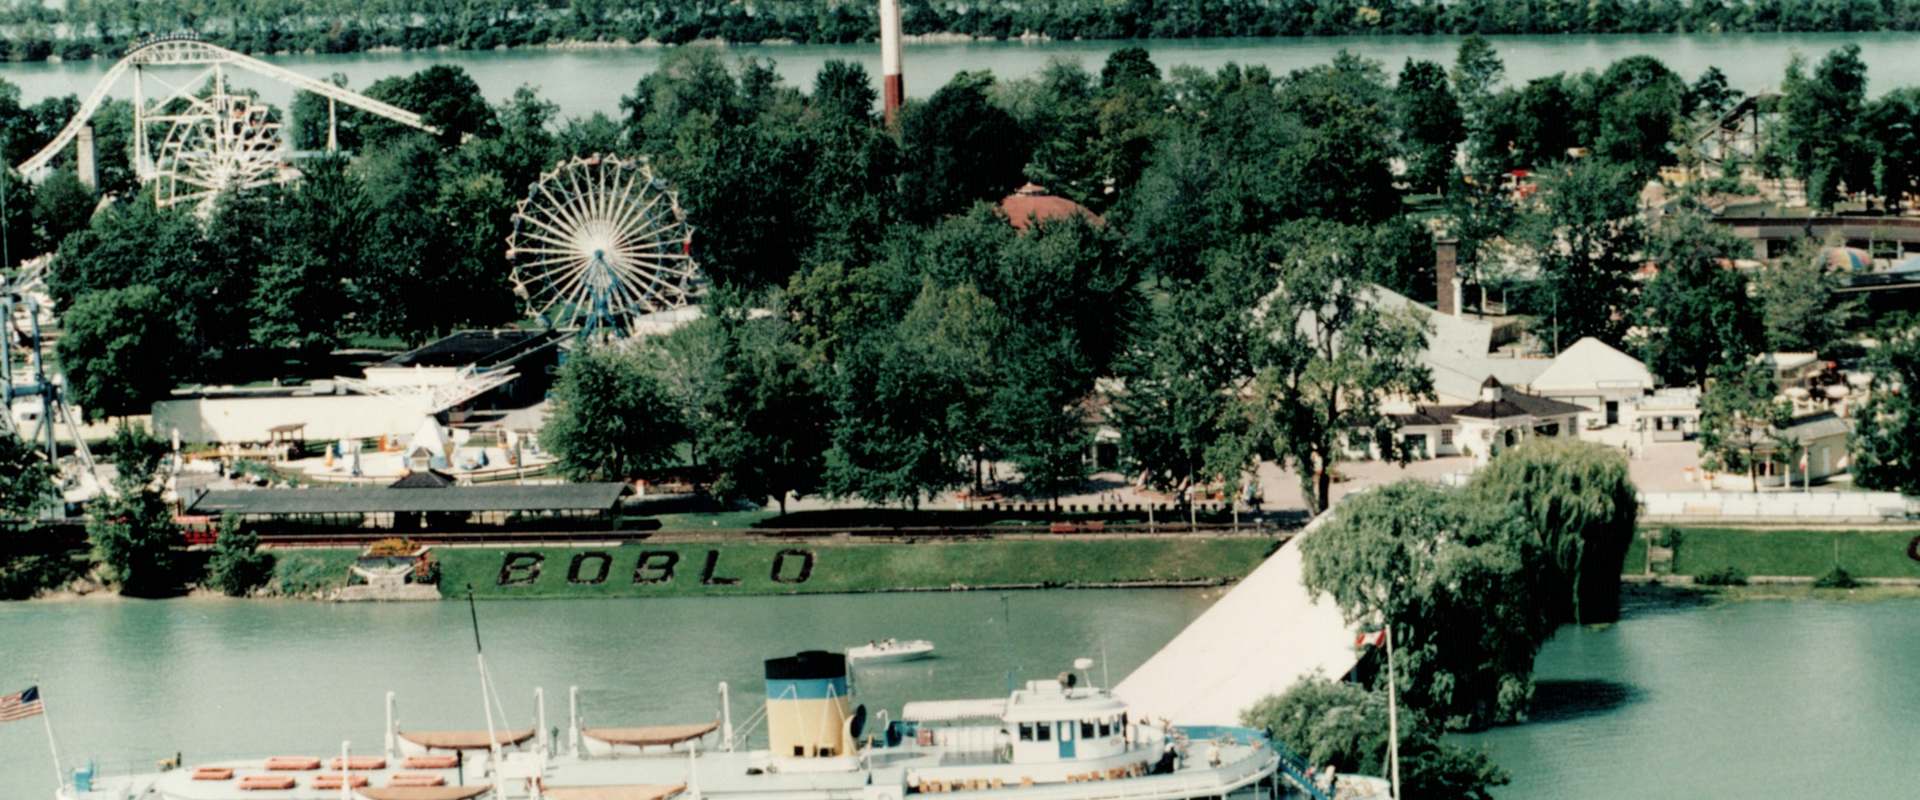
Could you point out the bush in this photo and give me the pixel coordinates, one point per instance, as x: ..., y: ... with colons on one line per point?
x: 1837, y: 578
x: 25, y: 576
x: 1724, y: 576
x: 1669, y: 537
x: 135, y: 537
x: 238, y: 567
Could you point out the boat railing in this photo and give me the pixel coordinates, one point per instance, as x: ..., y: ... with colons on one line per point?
x: 1298, y: 770
x: 123, y: 768
x: 1216, y: 782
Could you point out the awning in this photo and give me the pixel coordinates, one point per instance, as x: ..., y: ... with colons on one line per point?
x: 638, y: 791
x: 464, y: 740
x: 422, y: 792
x: 651, y: 734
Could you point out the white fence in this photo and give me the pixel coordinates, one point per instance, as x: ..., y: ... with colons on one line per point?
x: 1781, y: 506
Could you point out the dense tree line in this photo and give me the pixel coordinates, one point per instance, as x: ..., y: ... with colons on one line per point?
x: 1243, y: 218
x: 85, y: 28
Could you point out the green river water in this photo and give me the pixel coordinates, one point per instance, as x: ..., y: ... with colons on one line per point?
x: 1742, y: 700
x: 584, y: 81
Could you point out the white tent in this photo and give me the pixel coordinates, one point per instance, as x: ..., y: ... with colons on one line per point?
x: 433, y: 438
x: 1592, y: 371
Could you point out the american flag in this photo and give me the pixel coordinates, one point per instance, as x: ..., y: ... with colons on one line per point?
x: 21, y: 705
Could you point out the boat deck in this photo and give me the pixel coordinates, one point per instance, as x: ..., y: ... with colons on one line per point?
x: 745, y: 776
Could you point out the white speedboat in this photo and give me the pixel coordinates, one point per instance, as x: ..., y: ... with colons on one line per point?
x: 1048, y: 740
x: 887, y: 651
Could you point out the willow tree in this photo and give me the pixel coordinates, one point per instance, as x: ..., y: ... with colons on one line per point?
x: 1452, y: 583
x: 1575, y: 506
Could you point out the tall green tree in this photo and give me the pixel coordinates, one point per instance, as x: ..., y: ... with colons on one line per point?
x: 301, y: 300
x: 611, y: 419
x: 1430, y: 125
x: 1639, y: 105
x: 1798, y: 300
x: 1892, y: 132
x: 121, y: 350
x: 1131, y: 105
x: 1819, y: 137
x: 908, y: 399
x: 1741, y: 417
x: 444, y: 96
x: 1056, y: 111
x: 958, y: 148
x: 1179, y: 375
x: 1696, y: 313
x: 1886, y: 435
x: 26, y: 479
x: 1477, y: 74
x: 1326, y: 356
x: 61, y: 205
x: 132, y: 528
x: 1710, y: 95
x: 1585, y: 236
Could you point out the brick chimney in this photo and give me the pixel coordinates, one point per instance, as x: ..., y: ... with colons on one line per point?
x: 892, y: 84
x: 1446, y: 275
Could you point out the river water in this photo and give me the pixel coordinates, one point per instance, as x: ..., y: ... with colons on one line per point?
x: 585, y: 81
x: 128, y: 681
x: 1741, y: 700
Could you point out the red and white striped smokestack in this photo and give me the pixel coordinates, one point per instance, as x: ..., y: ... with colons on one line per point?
x: 893, y: 87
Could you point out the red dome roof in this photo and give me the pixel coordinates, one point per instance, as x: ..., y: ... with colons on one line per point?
x: 1031, y: 203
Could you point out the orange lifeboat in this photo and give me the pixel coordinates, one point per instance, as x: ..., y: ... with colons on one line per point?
x: 292, y: 763
x: 254, y: 783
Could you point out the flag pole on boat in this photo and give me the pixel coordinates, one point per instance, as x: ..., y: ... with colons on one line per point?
x: 486, y: 693
x: 1393, y: 715
x: 46, y: 719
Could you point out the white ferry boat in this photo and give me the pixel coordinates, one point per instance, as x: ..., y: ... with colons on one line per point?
x: 1048, y: 740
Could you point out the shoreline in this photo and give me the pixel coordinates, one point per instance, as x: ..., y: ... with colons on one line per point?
x: 96, y: 51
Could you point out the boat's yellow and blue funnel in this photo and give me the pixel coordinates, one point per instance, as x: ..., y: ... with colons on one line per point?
x: 808, y: 703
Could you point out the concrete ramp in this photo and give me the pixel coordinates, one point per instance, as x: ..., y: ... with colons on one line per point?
x: 1264, y: 635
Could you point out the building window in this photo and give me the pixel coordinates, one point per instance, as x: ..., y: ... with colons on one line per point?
x: 1026, y: 731
x: 1446, y: 436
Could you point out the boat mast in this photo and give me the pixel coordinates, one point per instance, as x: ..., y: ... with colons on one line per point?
x: 1393, y: 716
x: 486, y: 692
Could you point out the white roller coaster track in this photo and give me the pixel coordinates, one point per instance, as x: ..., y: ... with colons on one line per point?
x: 183, y: 51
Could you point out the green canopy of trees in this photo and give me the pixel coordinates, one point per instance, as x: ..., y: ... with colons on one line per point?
x: 1344, y: 725
x: 1886, y: 435
x: 612, y: 420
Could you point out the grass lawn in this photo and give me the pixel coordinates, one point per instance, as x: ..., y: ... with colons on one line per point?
x: 302, y: 571
x: 1865, y: 554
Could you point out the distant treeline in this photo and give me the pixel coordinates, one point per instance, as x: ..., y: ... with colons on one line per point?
x: 85, y: 28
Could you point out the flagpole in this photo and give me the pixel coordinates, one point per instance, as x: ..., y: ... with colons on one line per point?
x: 59, y: 775
x: 1393, y: 717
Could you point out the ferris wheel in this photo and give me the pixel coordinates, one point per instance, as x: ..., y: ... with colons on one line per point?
x: 599, y: 242
x: 218, y: 143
